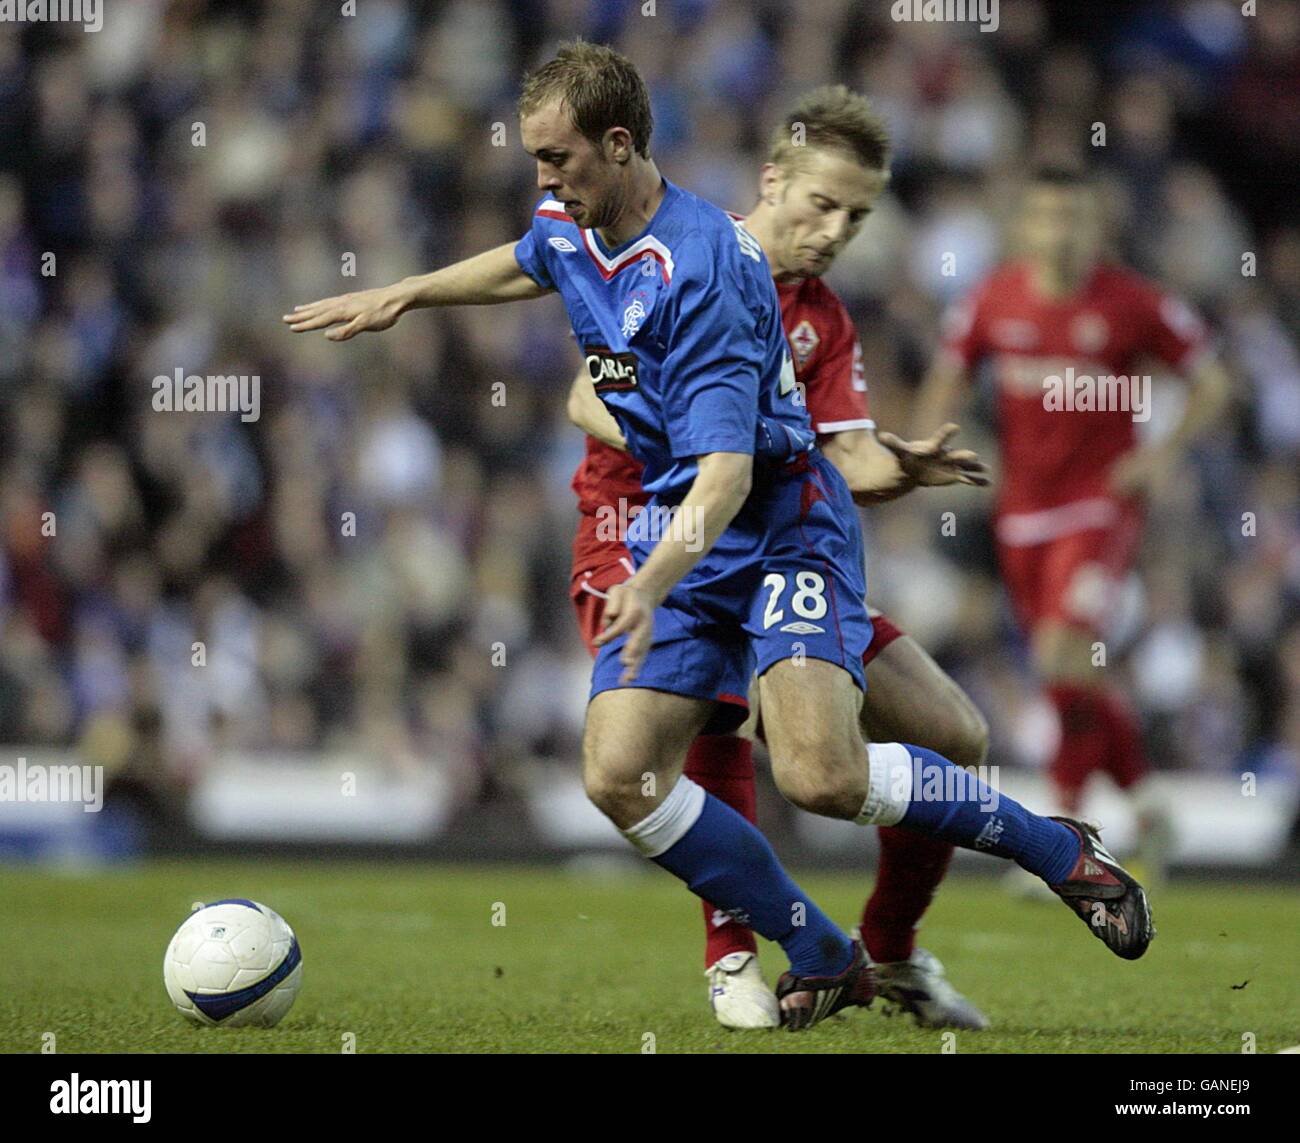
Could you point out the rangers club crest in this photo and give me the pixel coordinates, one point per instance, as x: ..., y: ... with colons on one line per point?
x: 804, y: 341
x: 635, y: 313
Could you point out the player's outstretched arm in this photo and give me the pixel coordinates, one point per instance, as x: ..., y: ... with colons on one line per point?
x: 487, y: 278
x: 882, y: 467
x: 588, y: 412
x: 1210, y: 388
x: 716, y: 495
x: 1148, y: 469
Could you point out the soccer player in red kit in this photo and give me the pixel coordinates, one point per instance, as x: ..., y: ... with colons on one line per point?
x: 814, y: 199
x: 1065, y: 332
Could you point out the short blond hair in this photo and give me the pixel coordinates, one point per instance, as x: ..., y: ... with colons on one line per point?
x: 834, y: 118
x: 599, y: 87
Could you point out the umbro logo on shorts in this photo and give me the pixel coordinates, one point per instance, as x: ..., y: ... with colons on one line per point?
x: 802, y: 628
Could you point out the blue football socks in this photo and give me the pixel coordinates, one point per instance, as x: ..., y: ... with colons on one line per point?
x: 727, y: 860
x: 959, y: 808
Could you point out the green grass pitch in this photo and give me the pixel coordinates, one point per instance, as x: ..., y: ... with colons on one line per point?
x: 406, y: 958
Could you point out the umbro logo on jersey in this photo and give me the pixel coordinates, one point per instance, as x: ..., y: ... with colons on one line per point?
x: 610, y: 372
x: 562, y: 244
x: 802, y: 628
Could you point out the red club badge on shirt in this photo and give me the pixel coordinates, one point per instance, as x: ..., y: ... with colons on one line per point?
x: 804, y: 342
x: 1089, y: 332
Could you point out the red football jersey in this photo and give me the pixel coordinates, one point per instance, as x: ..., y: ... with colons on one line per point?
x: 827, y: 368
x: 1060, y: 432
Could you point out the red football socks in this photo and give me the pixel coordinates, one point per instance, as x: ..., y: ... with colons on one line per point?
x: 911, y: 867
x: 724, y: 765
x: 1099, y: 731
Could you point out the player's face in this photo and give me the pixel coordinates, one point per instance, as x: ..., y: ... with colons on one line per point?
x: 1060, y: 226
x: 817, y: 208
x: 572, y: 168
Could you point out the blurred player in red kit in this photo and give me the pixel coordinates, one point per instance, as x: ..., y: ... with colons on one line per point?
x: 814, y: 199
x: 1065, y: 333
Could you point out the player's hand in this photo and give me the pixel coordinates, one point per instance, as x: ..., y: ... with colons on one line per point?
x: 1144, y: 472
x: 350, y: 314
x: 628, y: 611
x: 930, y: 463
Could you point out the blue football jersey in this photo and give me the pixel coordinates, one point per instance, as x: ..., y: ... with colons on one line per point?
x: 681, y: 331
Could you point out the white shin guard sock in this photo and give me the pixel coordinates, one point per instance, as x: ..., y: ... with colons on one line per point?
x: 889, y: 788
x: 670, y: 821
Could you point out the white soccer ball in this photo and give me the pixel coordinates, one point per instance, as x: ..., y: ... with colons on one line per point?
x: 233, y: 964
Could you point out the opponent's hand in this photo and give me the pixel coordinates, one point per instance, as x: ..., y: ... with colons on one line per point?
x: 930, y: 463
x: 628, y: 611
x: 351, y: 314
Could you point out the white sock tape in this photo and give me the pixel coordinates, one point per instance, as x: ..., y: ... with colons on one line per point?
x: 671, y: 821
x: 889, y: 786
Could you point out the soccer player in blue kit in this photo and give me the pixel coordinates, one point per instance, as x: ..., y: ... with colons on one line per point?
x: 673, y: 305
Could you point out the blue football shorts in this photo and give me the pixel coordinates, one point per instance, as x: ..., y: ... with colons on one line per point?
x: 786, y: 580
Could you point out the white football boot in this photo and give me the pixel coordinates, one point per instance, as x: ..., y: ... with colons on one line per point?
x: 918, y: 986
x: 739, y: 996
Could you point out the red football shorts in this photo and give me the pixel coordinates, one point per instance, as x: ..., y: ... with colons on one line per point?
x: 883, y: 632
x: 1071, y: 578
x: 589, y: 589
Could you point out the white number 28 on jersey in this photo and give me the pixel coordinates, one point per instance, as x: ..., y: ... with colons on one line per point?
x: 808, y: 600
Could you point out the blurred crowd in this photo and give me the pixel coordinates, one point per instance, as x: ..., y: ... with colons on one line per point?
x: 379, y: 562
